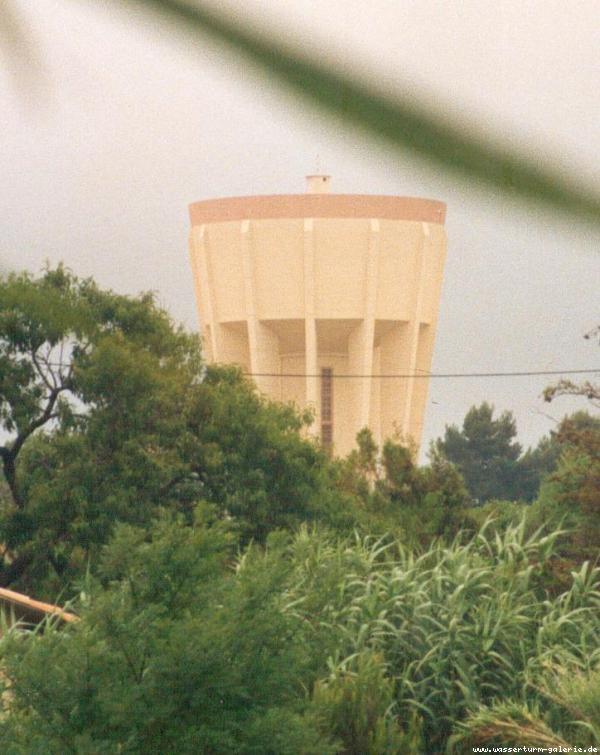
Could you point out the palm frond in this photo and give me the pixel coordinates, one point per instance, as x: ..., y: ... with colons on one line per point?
x: 396, y: 120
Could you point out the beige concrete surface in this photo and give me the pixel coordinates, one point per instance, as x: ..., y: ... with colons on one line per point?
x: 290, y: 285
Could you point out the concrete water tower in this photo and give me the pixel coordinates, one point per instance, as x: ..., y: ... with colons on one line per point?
x: 317, y: 295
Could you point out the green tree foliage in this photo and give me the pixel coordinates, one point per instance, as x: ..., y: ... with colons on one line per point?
x: 395, y: 495
x: 97, y: 371
x: 110, y: 416
x: 65, y: 345
x: 313, y: 644
x: 536, y: 464
x: 171, y: 655
x: 487, y: 454
x: 571, y: 494
x: 254, y: 462
x: 126, y: 459
x: 485, y: 451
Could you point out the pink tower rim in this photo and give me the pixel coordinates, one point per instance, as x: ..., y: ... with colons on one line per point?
x: 278, y: 206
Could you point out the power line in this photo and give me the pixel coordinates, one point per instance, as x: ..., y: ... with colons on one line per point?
x: 431, y: 375
x: 406, y: 376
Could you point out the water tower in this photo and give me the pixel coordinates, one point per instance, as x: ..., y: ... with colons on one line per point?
x: 321, y: 297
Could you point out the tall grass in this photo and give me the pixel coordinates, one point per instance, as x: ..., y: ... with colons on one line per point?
x: 455, y: 628
x: 362, y: 645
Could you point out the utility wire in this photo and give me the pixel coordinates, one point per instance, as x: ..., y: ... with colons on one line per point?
x: 423, y: 373
x: 430, y: 375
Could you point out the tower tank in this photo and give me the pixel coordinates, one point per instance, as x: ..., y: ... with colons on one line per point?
x: 329, y: 301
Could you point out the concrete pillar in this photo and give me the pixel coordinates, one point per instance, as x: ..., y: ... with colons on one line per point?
x: 361, y: 339
x: 369, y: 323
x: 262, y: 341
x: 249, y: 299
x: 310, y: 326
x: 199, y: 256
x: 415, y: 329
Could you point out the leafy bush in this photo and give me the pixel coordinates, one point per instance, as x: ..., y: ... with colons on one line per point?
x: 312, y: 644
x: 173, y: 654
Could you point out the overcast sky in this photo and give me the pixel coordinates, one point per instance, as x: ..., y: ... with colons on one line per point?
x: 126, y: 122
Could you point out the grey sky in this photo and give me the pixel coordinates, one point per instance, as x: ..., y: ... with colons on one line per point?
x: 131, y: 122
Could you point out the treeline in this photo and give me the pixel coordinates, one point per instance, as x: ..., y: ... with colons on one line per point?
x: 241, y: 592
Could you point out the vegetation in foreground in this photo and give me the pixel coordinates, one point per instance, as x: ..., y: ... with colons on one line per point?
x: 240, y: 592
x: 312, y: 644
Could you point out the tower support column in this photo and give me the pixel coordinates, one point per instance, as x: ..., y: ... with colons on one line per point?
x: 199, y: 255
x: 415, y: 328
x: 361, y: 340
x: 310, y: 325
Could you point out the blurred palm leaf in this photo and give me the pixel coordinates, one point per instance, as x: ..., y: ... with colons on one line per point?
x: 396, y: 120
x: 19, y: 52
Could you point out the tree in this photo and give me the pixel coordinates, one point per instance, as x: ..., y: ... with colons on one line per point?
x: 67, y: 349
x: 394, y: 495
x: 173, y: 653
x: 111, y: 416
x: 570, y: 496
x: 572, y: 492
x: 587, y: 389
x: 536, y: 464
x: 95, y: 371
x: 311, y: 644
x: 251, y: 459
x: 485, y: 452
x: 488, y: 456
